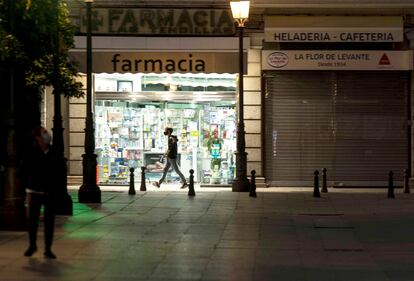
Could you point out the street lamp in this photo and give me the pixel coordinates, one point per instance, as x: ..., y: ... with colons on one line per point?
x: 64, y: 207
x: 240, y: 11
x: 89, y: 192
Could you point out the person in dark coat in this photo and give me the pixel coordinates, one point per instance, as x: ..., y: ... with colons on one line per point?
x: 171, y: 156
x: 38, y: 171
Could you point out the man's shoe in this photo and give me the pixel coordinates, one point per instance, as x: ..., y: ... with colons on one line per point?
x: 184, y: 185
x: 49, y: 255
x: 30, y: 251
x: 157, y: 184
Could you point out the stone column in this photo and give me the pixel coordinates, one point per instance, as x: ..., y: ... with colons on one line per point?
x: 410, y: 37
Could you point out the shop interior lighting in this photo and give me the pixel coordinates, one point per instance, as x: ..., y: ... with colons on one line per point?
x: 135, y: 95
x: 176, y: 79
x: 207, y: 99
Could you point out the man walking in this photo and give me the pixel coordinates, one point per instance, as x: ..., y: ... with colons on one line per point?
x: 171, y: 156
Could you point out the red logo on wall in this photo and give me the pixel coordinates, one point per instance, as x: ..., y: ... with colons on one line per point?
x: 384, y: 60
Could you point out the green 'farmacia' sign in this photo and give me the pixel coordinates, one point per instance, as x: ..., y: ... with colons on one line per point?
x: 151, y: 21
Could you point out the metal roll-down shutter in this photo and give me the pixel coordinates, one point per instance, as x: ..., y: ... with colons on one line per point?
x: 352, y: 123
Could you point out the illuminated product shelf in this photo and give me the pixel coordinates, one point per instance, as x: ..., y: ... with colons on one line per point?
x: 131, y: 116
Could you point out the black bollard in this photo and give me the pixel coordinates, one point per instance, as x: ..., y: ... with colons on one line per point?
x: 253, y: 184
x: 324, y: 181
x: 406, y: 181
x: 191, y: 191
x: 391, y: 185
x: 143, y: 186
x: 131, y: 182
x: 316, y: 192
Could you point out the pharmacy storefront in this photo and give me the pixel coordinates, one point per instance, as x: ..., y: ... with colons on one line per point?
x: 137, y: 94
x: 157, y: 68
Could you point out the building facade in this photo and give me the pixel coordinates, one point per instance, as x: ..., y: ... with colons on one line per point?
x: 326, y: 86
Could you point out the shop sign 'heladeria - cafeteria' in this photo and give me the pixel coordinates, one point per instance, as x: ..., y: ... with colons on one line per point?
x: 334, y: 36
x: 151, y: 21
x: 345, y: 29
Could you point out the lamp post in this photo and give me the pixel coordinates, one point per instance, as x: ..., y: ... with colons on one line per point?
x: 89, y: 192
x: 240, y: 11
x: 64, y: 207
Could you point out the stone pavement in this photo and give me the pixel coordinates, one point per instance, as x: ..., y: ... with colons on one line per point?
x: 284, y: 234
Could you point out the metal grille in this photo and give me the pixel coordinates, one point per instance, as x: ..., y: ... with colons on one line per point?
x: 352, y: 123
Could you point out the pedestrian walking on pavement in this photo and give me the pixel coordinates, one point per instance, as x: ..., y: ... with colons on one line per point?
x: 38, y: 172
x: 171, y: 159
